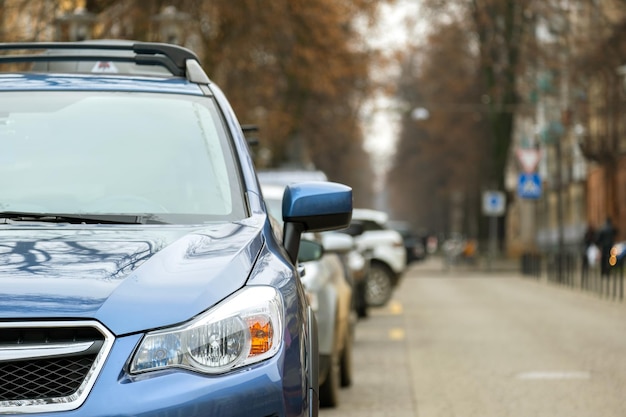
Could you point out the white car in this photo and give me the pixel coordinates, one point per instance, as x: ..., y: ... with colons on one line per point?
x: 385, y: 248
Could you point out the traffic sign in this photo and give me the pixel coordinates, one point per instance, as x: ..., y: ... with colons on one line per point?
x: 528, y: 159
x: 529, y: 186
x: 494, y: 203
x: 104, y: 66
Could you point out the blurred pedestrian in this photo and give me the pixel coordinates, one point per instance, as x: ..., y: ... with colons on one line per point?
x: 606, y: 240
x: 589, y: 251
x: 469, y: 251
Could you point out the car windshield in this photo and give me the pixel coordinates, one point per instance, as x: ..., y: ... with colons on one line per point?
x: 112, y: 153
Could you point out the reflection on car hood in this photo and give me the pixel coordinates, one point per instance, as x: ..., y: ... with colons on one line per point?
x: 131, y: 278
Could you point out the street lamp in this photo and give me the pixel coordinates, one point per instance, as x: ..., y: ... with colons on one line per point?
x: 420, y: 113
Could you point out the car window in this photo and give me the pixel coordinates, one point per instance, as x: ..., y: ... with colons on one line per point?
x: 354, y: 229
x: 369, y: 225
x: 101, y: 152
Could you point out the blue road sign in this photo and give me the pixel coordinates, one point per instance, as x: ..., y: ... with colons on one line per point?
x: 529, y: 186
x: 494, y: 203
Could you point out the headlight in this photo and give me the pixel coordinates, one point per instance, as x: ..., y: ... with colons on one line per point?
x: 243, y: 329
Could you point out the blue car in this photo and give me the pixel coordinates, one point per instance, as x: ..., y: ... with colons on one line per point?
x: 140, y: 274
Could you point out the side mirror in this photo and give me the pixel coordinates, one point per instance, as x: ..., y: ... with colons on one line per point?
x: 314, y: 207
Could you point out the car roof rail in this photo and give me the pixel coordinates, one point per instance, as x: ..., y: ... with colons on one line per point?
x: 180, y: 61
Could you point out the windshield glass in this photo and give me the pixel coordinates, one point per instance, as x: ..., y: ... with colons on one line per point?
x: 112, y: 153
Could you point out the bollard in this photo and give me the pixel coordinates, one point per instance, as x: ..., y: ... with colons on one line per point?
x: 537, y: 266
x: 530, y: 264
x: 619, y: 281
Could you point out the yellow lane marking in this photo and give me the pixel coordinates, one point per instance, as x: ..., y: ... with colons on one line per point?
x: 396, y: 334
x: 395, y: 307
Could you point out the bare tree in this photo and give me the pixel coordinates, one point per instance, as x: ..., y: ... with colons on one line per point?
x: 437, y: 171
x: 295, y: 68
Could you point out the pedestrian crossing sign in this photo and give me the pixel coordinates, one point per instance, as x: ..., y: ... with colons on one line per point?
x: 529, y: 186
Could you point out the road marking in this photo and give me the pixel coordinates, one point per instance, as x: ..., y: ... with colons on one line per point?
x: 395, y: 307
x: 535, y: 375
x: 396, y: 334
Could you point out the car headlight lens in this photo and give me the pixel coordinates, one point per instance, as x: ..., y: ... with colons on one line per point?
x: 243, y: 329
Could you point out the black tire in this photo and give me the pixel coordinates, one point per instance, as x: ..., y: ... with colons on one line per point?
x: 360, y: 301
x: 379, y: 285
x: 362, y: 312
x: 346, y: 362
x: 329, y: 390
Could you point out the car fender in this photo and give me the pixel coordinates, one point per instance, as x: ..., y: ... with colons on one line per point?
x: 326, y: 316
x: 313, y: 369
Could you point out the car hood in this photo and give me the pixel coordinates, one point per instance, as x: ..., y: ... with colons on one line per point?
x: 130, y: 278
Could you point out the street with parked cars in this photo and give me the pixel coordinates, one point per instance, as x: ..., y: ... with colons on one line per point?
x: 312, y: 208
x: 373, y: 256
x: 90, y: 261
x: 198, y: 287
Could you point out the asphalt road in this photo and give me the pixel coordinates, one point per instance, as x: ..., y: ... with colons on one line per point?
x: 459, y: 343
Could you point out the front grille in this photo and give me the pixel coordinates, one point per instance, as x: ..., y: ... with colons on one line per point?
x: 49, y: 366
x: 40, y: 379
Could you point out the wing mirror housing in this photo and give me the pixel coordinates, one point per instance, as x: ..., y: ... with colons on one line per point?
x: 314, y: 206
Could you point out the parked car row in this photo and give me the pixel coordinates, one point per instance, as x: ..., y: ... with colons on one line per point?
x: 329, y: 291
x: 384, y: 247
x: 373, y: 257
x: 144, y: 259
x: 142, y: 273
x: 414, y: 244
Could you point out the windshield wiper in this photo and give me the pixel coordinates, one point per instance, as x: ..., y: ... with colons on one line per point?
x: 81, y: 218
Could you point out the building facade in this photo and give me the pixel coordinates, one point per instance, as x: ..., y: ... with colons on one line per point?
x: 577, y: 122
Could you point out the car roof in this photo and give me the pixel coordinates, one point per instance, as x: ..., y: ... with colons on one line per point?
x: 83, y: 82
x: 115, y: 65
x: 378, y: 216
